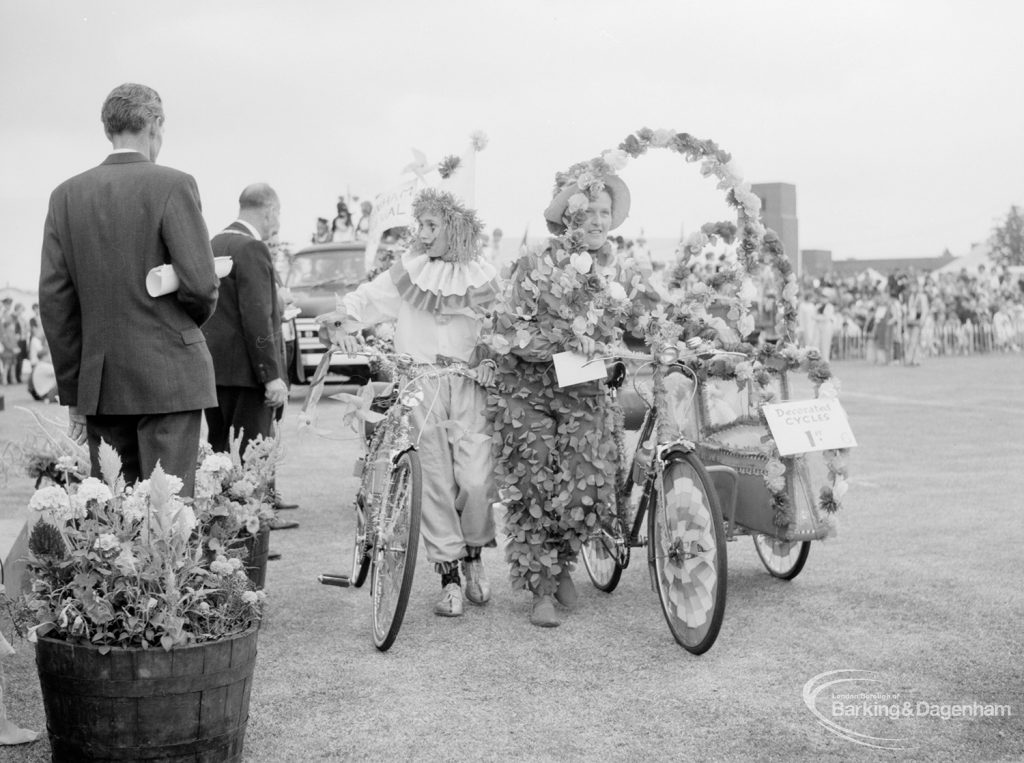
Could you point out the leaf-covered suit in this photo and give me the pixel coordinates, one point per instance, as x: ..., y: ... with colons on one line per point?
x: 554, y: 448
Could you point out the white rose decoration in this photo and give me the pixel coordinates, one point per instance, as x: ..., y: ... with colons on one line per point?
x: 617, y: 159
x: 662, y: 138
x: 616, y: 292
x: 581, y: 261
x: 828, y: 391
x: 577, y: 202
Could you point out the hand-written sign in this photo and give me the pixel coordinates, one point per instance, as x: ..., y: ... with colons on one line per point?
x: 573, y: 368
x: 391, y: 209
x: 802, y: 426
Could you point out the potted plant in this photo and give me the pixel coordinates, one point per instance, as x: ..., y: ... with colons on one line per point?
x: 143, y: 647
x: 234, y: 501
x: 50, y: 456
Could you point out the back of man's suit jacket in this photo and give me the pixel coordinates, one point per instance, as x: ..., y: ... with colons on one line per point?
x: 115, y: 349
x: 244, y: 334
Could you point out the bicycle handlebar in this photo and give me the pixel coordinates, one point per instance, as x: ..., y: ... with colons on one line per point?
x: 690, y: 352
x: 404, y: 361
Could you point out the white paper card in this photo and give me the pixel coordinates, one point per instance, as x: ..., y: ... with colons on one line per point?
x: 163, y: 280
x: 803, y: 426
x: 573, y: 368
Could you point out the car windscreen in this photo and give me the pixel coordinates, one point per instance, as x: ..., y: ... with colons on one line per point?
x: 326, y: 269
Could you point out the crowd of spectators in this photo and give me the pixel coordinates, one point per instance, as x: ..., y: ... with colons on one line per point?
x: 894, y: 318
x: 24, y: 354
x: 342, y: 228
x: 906, y: 315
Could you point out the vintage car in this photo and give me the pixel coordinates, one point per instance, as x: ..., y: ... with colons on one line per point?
x: 317, y: 275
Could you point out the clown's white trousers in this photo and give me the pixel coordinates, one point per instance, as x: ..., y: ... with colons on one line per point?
x: 454, y: 446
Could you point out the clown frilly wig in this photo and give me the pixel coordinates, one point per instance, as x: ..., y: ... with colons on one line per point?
x: 463, y: 226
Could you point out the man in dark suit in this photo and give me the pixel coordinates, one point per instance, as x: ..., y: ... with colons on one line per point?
x: 244, y: 333
x: 133, y: 370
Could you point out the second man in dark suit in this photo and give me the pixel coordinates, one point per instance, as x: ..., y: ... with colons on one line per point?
x: 244, y: 334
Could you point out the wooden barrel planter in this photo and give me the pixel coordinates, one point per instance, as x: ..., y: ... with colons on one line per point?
x: 188, y: 704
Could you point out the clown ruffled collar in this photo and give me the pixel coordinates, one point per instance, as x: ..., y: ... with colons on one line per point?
x: 437, y: 286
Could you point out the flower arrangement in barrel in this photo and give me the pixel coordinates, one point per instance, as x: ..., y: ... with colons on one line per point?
x: 234, y: 493
x: 119, y: 565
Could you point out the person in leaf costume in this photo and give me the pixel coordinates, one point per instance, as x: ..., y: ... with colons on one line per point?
x: 555, y: 447
x: 438, y: 293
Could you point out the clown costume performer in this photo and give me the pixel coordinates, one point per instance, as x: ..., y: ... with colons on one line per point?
x: 438, y: 293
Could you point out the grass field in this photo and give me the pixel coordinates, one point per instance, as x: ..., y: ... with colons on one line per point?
x: 923, y: 587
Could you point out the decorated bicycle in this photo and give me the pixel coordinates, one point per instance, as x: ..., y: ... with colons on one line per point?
x: 387, y: 503
x: 432, y: 447
x: 784, y: 494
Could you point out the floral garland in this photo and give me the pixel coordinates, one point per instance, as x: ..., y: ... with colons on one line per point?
x: 756, y: 373
x: 758, y: 246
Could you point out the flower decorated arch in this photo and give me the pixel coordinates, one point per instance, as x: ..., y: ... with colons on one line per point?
x: 732, y: 288
x: 758, y: 246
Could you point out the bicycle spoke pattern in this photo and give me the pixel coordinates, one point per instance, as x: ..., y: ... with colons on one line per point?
x: 391, y: 552
x: 686, y: 551
x: 602, y: 556
x: 605, y: 554
x: 778, y: 555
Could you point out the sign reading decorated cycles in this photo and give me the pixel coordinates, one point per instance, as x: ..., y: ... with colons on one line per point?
x: 803, y: 426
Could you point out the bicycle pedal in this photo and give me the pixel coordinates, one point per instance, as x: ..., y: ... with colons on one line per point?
x: 341, y: 581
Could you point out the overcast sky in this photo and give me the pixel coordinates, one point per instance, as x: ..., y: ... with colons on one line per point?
x: 901, y: 122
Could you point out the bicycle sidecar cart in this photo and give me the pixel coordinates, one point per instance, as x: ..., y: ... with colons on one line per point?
x: 782, y: 502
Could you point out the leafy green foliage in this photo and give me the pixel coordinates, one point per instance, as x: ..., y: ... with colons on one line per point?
x: 1007, y: 239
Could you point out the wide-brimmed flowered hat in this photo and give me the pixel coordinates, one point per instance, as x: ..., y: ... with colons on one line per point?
x: 568, y: 184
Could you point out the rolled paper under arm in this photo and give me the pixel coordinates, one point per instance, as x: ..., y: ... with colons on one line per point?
x: 163, y: 280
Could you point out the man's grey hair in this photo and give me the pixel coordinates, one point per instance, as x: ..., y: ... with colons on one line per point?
x: 257, y: 196
x: 130, y: 108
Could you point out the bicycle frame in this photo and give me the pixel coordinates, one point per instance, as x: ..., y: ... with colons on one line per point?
x: 392, y: 438
x: 645, y: 467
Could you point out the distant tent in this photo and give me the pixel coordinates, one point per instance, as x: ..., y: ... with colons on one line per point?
x: 980, y: 254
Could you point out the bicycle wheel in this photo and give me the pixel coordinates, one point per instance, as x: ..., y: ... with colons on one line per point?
x: 360, y: 548
x: 687, y: 553
x: 605, y: 555
x: 394, y: 551
x: 783, y: 559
